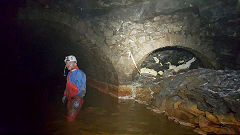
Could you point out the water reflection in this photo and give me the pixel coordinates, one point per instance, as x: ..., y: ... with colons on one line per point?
x: 102, y: 114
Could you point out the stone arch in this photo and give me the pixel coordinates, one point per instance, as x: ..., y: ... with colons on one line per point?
x: 204, y: 59
x: 99, y: 68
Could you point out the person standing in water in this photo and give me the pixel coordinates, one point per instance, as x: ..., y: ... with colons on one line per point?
x: 75, y: 88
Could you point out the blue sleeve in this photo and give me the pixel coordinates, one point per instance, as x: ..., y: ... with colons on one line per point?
x: 80, y: 81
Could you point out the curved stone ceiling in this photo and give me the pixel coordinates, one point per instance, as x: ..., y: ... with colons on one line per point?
x: 115, y: 42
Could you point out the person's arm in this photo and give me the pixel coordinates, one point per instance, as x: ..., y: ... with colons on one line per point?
x: 64, y: 98
x: 81, y: 83
x: 65, y: 94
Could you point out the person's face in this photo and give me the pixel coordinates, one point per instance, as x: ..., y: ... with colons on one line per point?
x: 70, y: 65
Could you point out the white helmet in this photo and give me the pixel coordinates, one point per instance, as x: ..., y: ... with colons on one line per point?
x: 70, y: 58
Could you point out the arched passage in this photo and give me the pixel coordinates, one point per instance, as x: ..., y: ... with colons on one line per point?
x: 44, y: 44
x: 171, y: 60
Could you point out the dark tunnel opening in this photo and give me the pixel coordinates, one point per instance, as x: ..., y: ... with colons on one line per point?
x: 168, y: 61
x: 41, y: 53
x: 36, y: 50
x: 41, y: 49
x: 36, y: 76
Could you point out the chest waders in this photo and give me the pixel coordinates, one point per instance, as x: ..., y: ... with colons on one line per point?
x: 74, y: 103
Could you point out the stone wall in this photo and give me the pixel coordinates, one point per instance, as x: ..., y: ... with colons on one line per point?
x: 208, y: 100
x: 138, y: 29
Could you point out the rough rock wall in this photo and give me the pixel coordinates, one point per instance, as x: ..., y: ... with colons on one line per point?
x: 141, y: 28
x: 205, y: 99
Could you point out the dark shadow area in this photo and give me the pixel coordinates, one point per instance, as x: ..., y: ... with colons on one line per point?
x: 32, y: 71
x: 13, y: 119
x: 33, y: 52
x: 32, y: 79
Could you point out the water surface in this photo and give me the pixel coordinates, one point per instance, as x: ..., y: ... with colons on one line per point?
x: 102, y: 114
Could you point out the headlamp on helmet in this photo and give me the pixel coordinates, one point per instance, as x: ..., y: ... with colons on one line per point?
x: 70, y: 58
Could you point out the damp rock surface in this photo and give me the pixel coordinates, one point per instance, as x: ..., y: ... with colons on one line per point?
x: 110, y: 30
x: 202, y: 98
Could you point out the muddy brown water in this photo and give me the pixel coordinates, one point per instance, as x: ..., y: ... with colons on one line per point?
x: 102, y: 114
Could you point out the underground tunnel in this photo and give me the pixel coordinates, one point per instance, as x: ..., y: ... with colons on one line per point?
x: 152, y: 66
